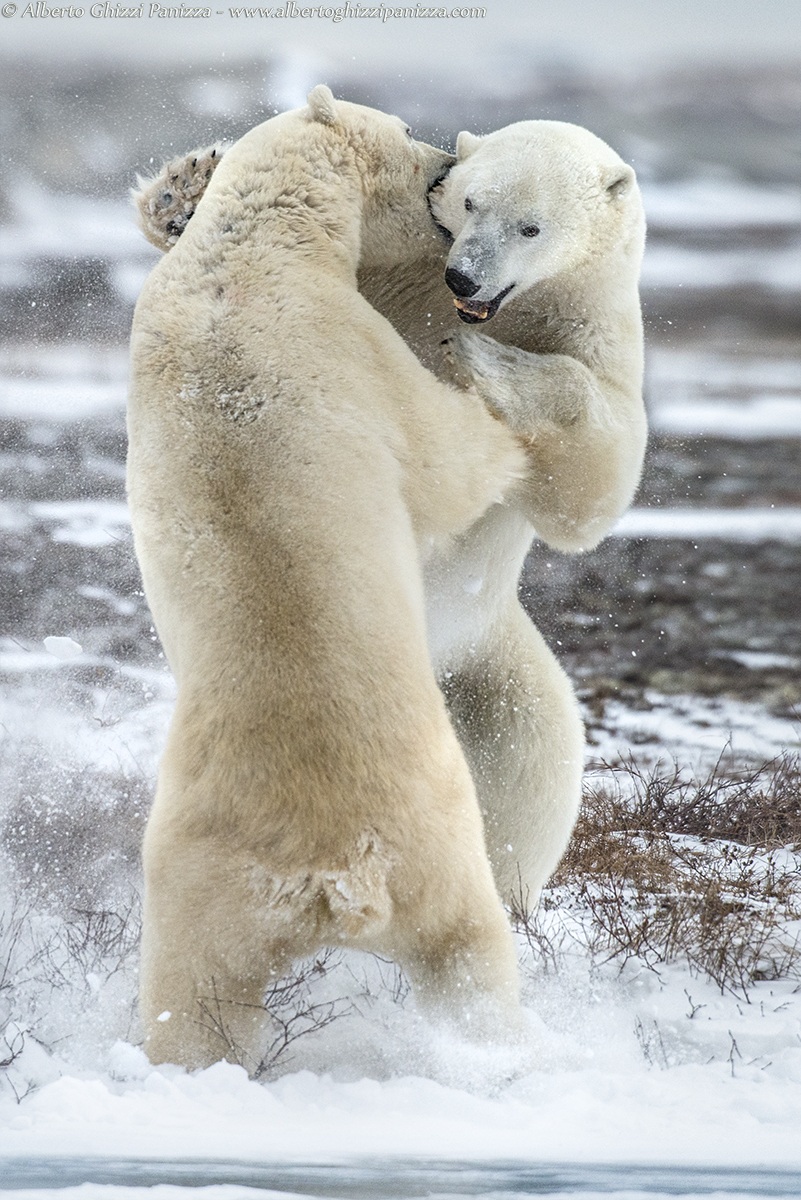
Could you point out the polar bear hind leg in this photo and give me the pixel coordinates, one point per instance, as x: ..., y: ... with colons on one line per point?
x: 517, y: 718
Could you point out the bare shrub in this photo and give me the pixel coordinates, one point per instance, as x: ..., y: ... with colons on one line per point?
x: 671, y: 867
x: 545, y: 944
x: 92, y: 943
x: 755, y: 806
x: 292, y: 1010
x: 52, y: 969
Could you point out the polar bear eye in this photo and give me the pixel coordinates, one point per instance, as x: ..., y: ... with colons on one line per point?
x: 530, y: 230
x: 468, y: 204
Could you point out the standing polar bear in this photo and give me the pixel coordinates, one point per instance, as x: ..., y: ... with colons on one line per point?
x: 548, y: 233
x: 546, y: 229
x: 291, y: 464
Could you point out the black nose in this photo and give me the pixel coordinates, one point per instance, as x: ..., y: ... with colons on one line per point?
x: 460, y: 284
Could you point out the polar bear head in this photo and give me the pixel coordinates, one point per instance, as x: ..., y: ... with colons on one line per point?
x: 535, y: 200
x: 394, y: 174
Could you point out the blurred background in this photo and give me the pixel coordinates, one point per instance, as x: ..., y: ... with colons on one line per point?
x: 681, y: 631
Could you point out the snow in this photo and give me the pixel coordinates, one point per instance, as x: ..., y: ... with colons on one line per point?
x: 68, y: 383
x: 618, y: 1067
x: 81, y: 522
x: 62, y: 647
x: 696, y: 728
x: 100, y: 522
x: 716, y: 204
x: 682, y: 267
x: 591, y: 1101
x: 760, y: 417
x: 65, y: 401
x: 781, y: 524
x: 91, y: 228
x: 680, y: 370
x: 591, y: 1098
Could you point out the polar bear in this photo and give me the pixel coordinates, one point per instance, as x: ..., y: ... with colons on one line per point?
x: 291, y: 466
x: 546, y: 232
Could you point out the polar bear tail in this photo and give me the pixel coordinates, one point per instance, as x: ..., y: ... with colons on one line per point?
x: 166, y: 203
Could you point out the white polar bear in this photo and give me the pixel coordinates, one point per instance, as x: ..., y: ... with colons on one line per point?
x: 547, y: 229
x: 291, y: 463
x: 548, y: 233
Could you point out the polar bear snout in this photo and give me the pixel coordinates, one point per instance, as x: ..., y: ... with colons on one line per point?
x: 475, y: 274
x: 461, y: 285
x: 472, y: 311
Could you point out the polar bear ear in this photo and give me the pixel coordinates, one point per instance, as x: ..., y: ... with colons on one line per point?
x: 466, y: 144
x: 618, y: 180
x: 322, y: 105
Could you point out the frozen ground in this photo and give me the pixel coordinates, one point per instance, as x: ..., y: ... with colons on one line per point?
x: 681, y: 632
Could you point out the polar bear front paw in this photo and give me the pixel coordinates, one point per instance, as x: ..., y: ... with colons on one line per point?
x: 502, y: 375
x: 167, y: 202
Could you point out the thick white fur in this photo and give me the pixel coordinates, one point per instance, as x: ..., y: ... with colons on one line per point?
x: 565, y: 364
x: 291, y: 466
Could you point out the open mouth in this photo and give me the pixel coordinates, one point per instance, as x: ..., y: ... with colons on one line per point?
x: 474, y: 311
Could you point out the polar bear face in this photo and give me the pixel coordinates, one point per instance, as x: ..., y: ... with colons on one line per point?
x: 530, y: 202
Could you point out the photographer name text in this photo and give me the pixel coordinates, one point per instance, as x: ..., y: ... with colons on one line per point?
x: 41, y: 11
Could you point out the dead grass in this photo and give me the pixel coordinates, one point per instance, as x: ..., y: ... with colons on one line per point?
x: 754, y: 806
x: 671, y: 867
